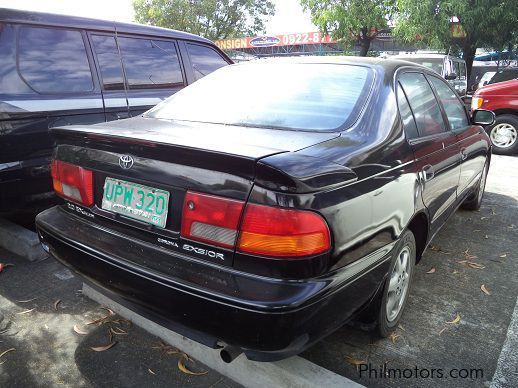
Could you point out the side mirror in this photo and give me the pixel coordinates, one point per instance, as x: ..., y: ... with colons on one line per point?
x: 483, y: 117
x: 450, y: 76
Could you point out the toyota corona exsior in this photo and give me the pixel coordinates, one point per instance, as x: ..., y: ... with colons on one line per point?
x: 269, y: 203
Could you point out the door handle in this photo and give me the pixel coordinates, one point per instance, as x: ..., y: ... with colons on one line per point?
x: 463, y: 153
x: 427, y: 172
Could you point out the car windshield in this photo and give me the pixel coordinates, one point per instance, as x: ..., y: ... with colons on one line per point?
x: 435, y: 64
x: 316, y: 97
x: 504, y: 75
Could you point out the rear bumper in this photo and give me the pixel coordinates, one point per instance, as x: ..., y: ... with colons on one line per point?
x: 269, y: 319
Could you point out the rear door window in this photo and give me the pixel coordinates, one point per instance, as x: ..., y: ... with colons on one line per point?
x: 455, y: 111
x: 406, y: 114
x: 204, y: 60
x: 426, y: 110
x: 109, y: 61
x: 150, y: 64
x: 54, y: 60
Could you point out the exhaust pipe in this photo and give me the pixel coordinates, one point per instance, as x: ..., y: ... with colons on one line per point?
x: 229, y: 353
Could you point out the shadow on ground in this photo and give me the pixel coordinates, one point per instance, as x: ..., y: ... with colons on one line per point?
x: 424, y: 339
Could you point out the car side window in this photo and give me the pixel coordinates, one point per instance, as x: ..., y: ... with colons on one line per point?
x: 54, y: 60
x: 406, y: 114
x: 109, y: 62
x: 204, y: 60
x: 150, y: 63
x: 424, y: 106
x: 455, y: 111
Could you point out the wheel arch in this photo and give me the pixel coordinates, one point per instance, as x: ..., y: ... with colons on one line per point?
x: 420, y: 227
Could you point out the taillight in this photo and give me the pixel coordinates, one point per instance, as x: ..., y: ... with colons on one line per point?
x: 265, y: 230
x: 278, y: 232
x: 72, y: 182
x: 211, y: 219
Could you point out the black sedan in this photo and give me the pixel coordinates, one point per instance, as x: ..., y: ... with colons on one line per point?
x: 264, y: 206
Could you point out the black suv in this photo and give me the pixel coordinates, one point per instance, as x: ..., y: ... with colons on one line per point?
x: 59, y: 70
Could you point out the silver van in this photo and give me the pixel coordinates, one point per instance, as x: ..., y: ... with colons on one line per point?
x: 451, y: 68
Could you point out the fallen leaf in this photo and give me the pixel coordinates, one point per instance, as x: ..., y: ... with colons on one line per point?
x: 56, y: 303
x: 485, y: 290
x: 469, y: 256
x: 354, y: 361
x: 486, y: 236
x: 401, y: 327
x: 483, y: 218
x: 118, y: 331
x: 79, y: 331
x: 443, y: 330
x: 150, y: 371
x: 110, y: 311
x: 26, y: 301
x: 103, y: 348
x: 25, y: 312
x: 455, y: 272
x: 96, y: 321
x: 5, y: 352
x: 503, y: 255
x: 477, y: 230
x: 184, y: 369
x: 432, y: 270
x: 474, y: 265
x: 394, y: 337
x: 456, y: 320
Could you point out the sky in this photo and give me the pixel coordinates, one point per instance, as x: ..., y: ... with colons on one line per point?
x: 289, y: 15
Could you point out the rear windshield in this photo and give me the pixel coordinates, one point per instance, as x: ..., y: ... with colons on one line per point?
x: 504, y: 75
x: 316, y: 97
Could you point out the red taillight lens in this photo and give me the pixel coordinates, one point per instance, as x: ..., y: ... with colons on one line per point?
x: 72, y: 182
x: 211, y: 219
x: 278, y: 232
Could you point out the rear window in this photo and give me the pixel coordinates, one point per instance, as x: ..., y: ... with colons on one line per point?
x: 316, y: 97
x: 53, y: 60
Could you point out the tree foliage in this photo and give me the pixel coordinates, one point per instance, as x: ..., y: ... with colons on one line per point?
x: 486, y: 23
x: 213, y: 19
x: 351, y: 21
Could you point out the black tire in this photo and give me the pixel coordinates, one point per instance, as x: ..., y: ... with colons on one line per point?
x: 474, y: 201
x: 386, y: 323
x: 509, y: 123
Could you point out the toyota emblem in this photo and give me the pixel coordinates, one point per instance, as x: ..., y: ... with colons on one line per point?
x: 126, y: 162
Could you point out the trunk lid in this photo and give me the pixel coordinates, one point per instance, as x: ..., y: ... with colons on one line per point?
x: 173, y: 157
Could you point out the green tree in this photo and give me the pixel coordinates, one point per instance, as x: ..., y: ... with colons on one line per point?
x: 351, y: 21
x: 213, y: 19
x: 486, y: 23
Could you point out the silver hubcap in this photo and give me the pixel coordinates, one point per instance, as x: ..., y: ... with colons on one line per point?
x: 398, y: 284
x: 504, y: 135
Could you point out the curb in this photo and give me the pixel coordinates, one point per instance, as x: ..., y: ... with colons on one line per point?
x: 291, y: 372
x: 20, y: 241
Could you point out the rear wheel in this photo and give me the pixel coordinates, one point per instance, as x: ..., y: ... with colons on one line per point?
x: 475, y: 201
x: 504, y: 134
x: 397, y: 285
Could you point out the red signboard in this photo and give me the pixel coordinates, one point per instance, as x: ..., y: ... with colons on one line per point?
x: 274, y: 40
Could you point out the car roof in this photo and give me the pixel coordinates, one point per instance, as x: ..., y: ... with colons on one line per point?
x: 49, y: 19
x: 388, y: 65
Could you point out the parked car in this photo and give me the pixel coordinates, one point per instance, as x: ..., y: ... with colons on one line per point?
x: 486, y: 77
x: 502, y: 99
x: 58, y: 70
x: 503, y: 75
x: 453, y: 69
x: 263, y: 218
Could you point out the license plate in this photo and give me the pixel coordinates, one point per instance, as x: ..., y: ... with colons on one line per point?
x: 142, y: 203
